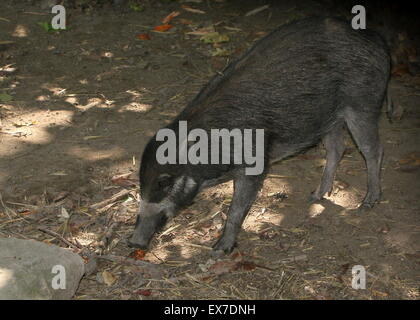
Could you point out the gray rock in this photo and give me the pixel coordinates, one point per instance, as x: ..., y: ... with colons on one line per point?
x: 31, y: 269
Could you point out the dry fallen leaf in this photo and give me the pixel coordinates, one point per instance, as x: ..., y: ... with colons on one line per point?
x: 222, y: 267
x: 220, y: 52
x: 143, y: 36
x: 60, y: 196
x: 123, y: 180
x: 170, y: 16
x: 257, y: 10
x: 411, y: 159
x: 379, y: 293
x: 92, y: 137
x: 137, y: 254
x: 202, y: 31
x: 185, y: 21
x: 25, y: 212
x: 59, y: 173
x: 64, y: 215
x: 163, y: 27
x: 214, y: 37
x: 145, y: 293
x: 22, y: 124
x: 189, y: 9
x: 258, y: 35
x: 109, y: 278
x: 245, y: 265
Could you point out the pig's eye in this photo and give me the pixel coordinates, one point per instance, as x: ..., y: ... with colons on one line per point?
x: 164, y: 181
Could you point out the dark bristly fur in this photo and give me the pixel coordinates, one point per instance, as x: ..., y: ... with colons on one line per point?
x: 303, y: 82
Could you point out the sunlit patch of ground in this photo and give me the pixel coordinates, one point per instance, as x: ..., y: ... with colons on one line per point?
x: 31, y: 128
x: 89, y: 154
x: 348, y: 199
x: 136, y: 107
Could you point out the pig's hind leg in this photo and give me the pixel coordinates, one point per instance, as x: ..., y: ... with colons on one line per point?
x: 363, y: 127
x: 246, y: 188
x: 334, y: 145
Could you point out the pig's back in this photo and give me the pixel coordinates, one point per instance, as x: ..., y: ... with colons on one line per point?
x: 299, y: 74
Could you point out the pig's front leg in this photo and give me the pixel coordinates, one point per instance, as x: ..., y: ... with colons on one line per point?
x: 245, y: 191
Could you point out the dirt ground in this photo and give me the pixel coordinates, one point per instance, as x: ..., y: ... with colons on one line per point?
x: 78, y: 106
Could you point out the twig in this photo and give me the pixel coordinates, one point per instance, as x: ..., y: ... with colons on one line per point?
x: 301, y: 257
x: 277, y: 176
x: 257, y: 10
x: 10, y: 221
x: 6, y: 208
x: 199, y: 246
x: 35, y: 13
x: 155, y: 270
x: 54, y: 234
x: 109, y: 232
x: 120, y: 259
x: 111, y: 200
x: 22, y: 204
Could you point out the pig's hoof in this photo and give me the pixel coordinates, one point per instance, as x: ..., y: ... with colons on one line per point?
x: 136, y: 245
x: 222, y: 247
x: 369, y: 201
x: 217, y: 254
x: 314, y: 197
x: 366, y: 206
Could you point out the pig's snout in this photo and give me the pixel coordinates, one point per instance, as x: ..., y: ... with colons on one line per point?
x: 138, y: 245
x: 142, y: 234
x: 146, y: 227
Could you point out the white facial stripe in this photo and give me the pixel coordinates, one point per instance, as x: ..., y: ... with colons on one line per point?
x: 189, y: 184
x: 150, y: 209
x: 183, y: 184
x: 178, y: 185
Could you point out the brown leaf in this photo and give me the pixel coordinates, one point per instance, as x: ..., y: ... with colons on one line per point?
x: 379, y: 293
x: 257, y: 10
x: 163, y: 27
x: 189, y: 9
x: 25, y: 212
x: 411, y: 159
x: 222, y: 267
x: 185, y: 21
x: 123, y: 180
x: 143, y: 36
x: 170, y: 16
x: 60, y: 196
x: 237, y: 256
x: 138, y: 254
x: 109, y: 278
x: 145, y: 293
x: 245, y: 265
